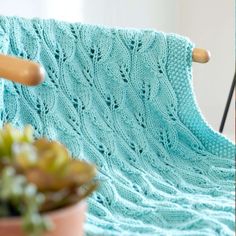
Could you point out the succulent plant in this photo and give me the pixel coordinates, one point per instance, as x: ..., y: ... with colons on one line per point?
x: 38, y: 176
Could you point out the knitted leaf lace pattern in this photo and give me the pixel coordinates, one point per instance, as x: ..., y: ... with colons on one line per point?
x: 123, y: 99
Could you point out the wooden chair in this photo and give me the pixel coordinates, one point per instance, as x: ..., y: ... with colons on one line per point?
x: 31, y: 73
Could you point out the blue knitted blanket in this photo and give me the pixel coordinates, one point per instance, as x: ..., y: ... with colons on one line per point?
x: 123, y: 99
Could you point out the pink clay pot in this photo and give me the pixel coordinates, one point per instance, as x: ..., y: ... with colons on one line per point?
x: 67, y: 221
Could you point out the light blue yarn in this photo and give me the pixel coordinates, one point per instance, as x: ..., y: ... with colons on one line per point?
x: 123, y: 99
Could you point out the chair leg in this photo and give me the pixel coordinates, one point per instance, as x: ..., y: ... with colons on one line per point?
x: 228, y: 104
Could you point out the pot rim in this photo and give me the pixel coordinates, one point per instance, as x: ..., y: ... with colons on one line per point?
x: 57, y: 212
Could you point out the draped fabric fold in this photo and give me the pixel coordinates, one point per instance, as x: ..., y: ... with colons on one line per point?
x: 123, y: 99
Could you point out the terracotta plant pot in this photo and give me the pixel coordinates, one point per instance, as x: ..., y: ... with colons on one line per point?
x: 67, y: 221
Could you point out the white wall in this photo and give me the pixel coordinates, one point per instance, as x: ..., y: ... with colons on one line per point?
x: 68, y: 10
x: 208, y: 23
x: 159, y: 14
x: 211, y: 24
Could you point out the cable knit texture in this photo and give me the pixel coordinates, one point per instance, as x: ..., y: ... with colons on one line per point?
x: 123, y: 99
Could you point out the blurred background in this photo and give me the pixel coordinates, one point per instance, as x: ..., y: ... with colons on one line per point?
x: 209, y: 24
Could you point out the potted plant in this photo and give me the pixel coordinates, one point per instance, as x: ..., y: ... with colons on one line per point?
x: 42, y: 189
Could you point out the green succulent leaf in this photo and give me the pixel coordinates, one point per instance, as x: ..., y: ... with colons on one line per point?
x: 38, y: 176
